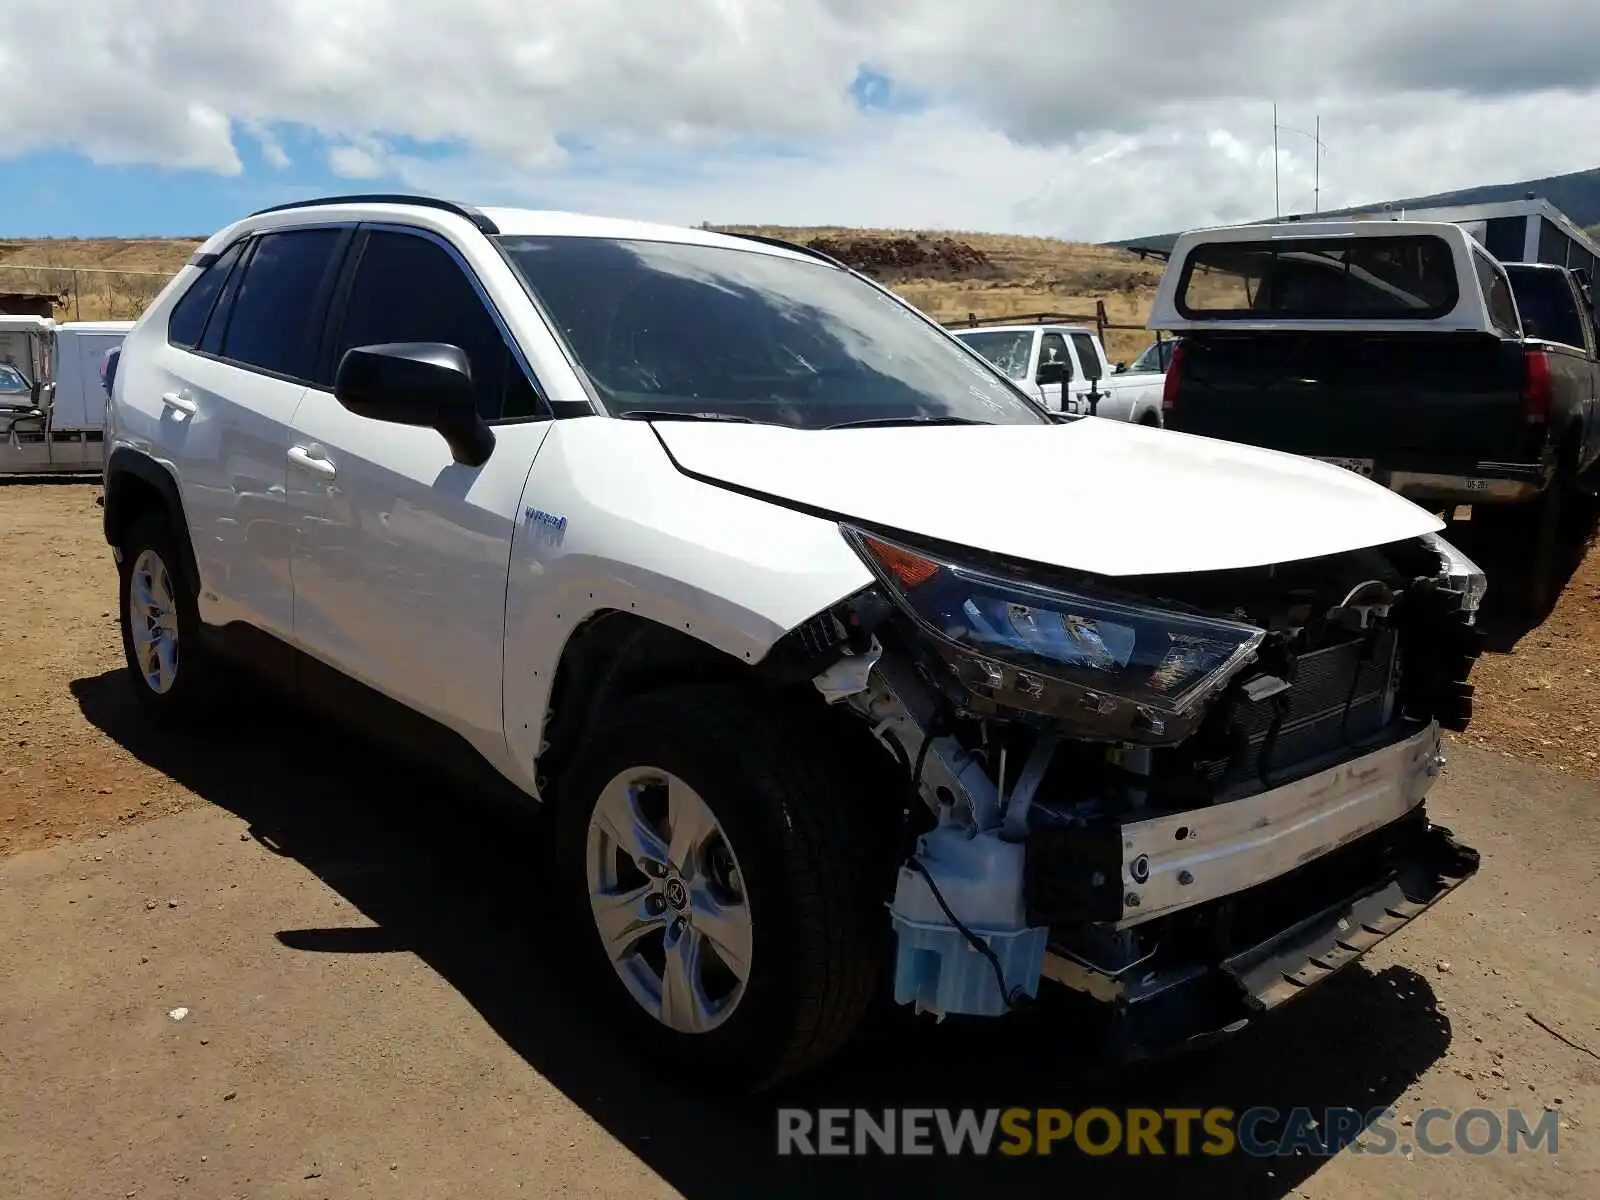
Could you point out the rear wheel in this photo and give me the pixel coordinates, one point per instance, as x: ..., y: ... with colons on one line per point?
x: 715, y: 872
x: 1524, y: 541
x: 169, y: 671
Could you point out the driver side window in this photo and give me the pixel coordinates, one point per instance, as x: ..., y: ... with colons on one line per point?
x: 408, y: 288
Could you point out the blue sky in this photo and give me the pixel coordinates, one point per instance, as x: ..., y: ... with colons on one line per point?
x: 174, y: 118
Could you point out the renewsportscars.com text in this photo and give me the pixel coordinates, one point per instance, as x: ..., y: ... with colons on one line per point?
x: 1259, y: 1132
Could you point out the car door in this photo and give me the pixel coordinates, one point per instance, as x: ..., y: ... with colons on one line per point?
x: 1055, y: 395
x: 401, y: 558
x: 1093, y: 377
x: 225, y: 385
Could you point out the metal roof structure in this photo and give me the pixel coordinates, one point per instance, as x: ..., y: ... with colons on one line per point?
x: 1528, y: 241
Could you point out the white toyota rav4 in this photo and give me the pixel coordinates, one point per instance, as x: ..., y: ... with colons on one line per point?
x: 845, y: 668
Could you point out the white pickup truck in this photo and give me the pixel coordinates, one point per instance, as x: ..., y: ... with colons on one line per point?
x: 1065, y: 368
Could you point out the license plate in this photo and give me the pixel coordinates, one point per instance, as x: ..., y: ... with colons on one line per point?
x: 1361, y: 466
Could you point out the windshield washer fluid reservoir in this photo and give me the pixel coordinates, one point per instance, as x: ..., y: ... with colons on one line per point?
x: 980, y: 878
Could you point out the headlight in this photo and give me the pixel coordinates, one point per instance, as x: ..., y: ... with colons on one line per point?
x: 1054, y: 650
x: 1463, y: 575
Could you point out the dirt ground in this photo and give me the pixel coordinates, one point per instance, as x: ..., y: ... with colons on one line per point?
x: 371, y: 1013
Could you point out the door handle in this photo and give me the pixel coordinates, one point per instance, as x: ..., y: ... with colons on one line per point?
x: 180, y: 403
x: 305, y: 460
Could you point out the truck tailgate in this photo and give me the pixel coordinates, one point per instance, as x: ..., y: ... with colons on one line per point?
x: 1392, y: 398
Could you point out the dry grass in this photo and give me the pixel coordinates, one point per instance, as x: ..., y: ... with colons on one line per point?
x: 98, y: 278
x: 1030, y: 275
x: 1033, y: 275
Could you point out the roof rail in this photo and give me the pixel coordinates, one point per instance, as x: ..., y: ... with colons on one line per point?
x: 797, y: 247
x: 484, y: 224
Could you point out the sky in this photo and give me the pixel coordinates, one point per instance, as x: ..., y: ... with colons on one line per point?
x: 1084, y: 119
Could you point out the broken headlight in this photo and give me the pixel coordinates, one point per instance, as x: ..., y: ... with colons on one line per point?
x: 1119, y: 667
x: 1460, y: 573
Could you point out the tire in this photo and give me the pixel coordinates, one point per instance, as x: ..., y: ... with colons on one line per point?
x: 1543, y: 583
x: 793, y: 825
x: 173, y: 684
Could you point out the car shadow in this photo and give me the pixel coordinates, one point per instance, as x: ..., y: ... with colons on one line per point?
x: 1508, y: 565
x: 457, y: 883
x: 54, y: 479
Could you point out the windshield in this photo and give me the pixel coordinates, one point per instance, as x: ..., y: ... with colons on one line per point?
x: 1008, y: 349
x: 11, y: 379
x: 667, y: 327
x: 16, y: 353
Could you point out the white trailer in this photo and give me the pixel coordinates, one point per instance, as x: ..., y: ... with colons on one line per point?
x: 52, y: 397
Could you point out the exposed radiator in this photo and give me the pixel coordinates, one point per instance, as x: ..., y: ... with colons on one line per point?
x: 1341, y: 694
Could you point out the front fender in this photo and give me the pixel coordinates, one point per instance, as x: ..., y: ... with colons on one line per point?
x: 608, y: 523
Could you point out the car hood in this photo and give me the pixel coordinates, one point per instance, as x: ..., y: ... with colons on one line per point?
x: 1097, y: 496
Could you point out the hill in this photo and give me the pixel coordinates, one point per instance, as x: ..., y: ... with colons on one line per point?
x: 947, y: 275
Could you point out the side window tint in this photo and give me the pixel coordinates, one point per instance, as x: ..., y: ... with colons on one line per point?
x: 1087, y: 356
x: 1497, y: 296
x: 1053, y: 348
x: 409, y: 289
x: 271, y: 324
x: 187, y: 323
x: 217, y: 326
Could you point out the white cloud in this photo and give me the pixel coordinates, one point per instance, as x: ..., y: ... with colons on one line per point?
x: 1102, y: 119
x: 356, y: 162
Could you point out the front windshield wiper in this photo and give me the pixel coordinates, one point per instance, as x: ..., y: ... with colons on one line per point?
x: 910, y: 420
x: 662, y: 414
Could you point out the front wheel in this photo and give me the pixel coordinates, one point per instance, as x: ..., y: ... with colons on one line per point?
x: 715, y: 870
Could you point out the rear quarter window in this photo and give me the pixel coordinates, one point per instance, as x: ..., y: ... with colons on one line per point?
x: 1386, y: 278
x: 187, y: 323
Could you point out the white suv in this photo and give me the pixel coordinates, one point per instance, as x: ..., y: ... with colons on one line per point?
x: 844, y: 667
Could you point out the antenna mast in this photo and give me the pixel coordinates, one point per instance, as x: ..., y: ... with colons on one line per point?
x: 1319, y: 146
x: 1277, y: 204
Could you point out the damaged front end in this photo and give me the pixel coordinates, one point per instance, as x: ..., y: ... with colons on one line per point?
x: 1188, y: 796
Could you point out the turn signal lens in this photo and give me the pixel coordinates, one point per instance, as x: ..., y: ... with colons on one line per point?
x: 910, y: 569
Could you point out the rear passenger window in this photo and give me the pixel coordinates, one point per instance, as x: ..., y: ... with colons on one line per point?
x: 1088, y: 358
x: 409, y: 289
x: 271, y: 324
x: 187, y: 324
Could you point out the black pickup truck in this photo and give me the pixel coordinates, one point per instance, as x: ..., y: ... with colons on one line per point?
x: 1400, y: 350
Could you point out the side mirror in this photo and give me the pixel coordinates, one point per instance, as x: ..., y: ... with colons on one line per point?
x: 1120, y: 368
x: 1053, y: 372
x: 426, y: 384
